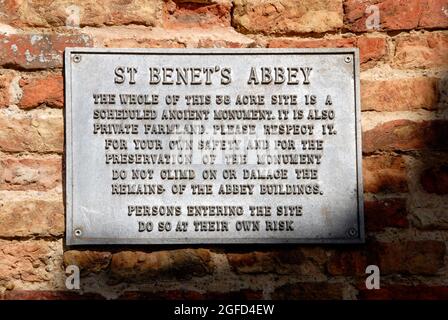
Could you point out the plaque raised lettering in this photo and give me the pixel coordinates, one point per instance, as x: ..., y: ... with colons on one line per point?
x: 169, y: 146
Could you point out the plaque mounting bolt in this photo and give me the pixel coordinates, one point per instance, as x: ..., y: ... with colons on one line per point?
x: 348, y: 59
x: 76, y: 58
x: 78, y: 232
x: 352, y: 232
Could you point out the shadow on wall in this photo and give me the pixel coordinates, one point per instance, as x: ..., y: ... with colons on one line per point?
x: 406, y: 184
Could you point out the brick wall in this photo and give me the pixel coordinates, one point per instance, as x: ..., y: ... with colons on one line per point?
x: 405, y: 143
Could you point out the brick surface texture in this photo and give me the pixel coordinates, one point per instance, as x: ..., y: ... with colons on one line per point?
x: 404, y: 99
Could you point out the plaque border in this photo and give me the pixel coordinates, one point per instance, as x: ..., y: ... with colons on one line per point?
x: 72, y: 240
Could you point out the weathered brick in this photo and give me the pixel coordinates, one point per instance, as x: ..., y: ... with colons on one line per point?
x: 182, y: 263
x: 309, y: 291
x: 396, y: 14
x: 88, y: 261
x: 202, y: 14
x: 31, y: 217
x: 349, y: 262
x: 400, y: 94
x: 5, y: 88
x: 204, y: 40
x: 25, y: 261
x: 427, y: 50
x: 372, y: 49
x: 30, y: 173
x: 143, y: 43
x: 49, y: 295
x: 281, y: 261
x: 34, y: 132
x: 412, y: 257
x: 430, y: 218
x: 388, y: 213
x: 435, y: 180
x: 244, y: 294
x: 404, y: 292
x: 138, y: 37
x: 38, y: 51
x: 384, y: 173
x: 443, y: 92
x: 46, y: 13
x: 42, y: 89
x: 284, y: 17
x: 212, y: 43
x: 406, y: 135
x: 424, y: 257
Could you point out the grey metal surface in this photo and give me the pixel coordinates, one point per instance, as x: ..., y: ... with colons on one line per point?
x: 96, y: 216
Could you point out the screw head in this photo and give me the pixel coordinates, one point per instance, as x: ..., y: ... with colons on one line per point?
x: 348, y: 59
x: 76, y: 58
x: 78, y: 232
x: 352, y: 233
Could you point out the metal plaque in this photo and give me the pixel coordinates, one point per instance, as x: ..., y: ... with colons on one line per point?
x: 169, y: 146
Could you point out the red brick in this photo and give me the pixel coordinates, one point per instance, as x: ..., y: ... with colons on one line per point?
x: 397, y: 14
x: 168, y: 38
x: 282, y: 261
x: 30, y: 173
x: 427, y: 50
x: 203, y: 14
x: 182, y: 263
x: 38, y: 51
x: 405, y: 292
x: 49, y: 295
x: 435, y: 180
x: 371, y: 49
x: 400, y: 94
x: 384, y: 174
x: 88, y: 261
x: 57, y: 13
x: 411, y: 257
x: 212, y: 43
x: 37, y: 132
x: 283, y: 17
x: 309, y: 291
x: 424, y: 257
x: 42, y: 89
x: 349, y: 262
x: 143, y: 43
x: 406, y: 135
x: 25, y: 260
x: 31, y: 217
x: 388, y: 213
x: 5, y: 84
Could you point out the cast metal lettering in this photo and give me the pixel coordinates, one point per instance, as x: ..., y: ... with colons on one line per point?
x: 213, y: 146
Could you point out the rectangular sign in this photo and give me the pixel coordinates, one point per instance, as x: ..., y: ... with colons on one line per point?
x: 169, y: 146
